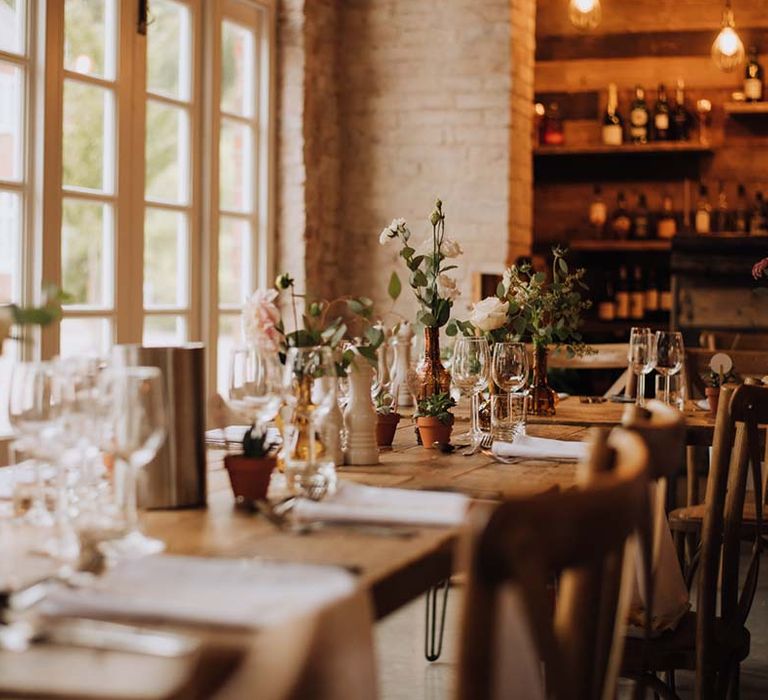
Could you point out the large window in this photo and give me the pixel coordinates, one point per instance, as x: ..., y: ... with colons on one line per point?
x: 151, y: 201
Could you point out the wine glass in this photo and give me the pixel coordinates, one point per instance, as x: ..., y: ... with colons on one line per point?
x: 33, y: 409
x: 670, y: 354
x: 641, y: 356
x: 510, y: 366
x: 471, y: 370
x: 133, y: 428
x: 255, y: 385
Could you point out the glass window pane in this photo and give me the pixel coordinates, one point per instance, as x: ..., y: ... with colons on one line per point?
x: 85, y: 336
x: 11, y: 133
x: 234, y: 260
x: 90, y: 37
x: 237, y: 69
x: 164, y: 330
x: 235, y: 179
x: 165, y: 259
x: 230, y: 335
x: 168, y: 50
x: 12, y: 26
x: 86, y: 252
x: 167, y: 153
x: 10, y: 236
x: 88, y: 136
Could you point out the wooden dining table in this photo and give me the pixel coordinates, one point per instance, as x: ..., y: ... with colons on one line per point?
x: 391, y: 571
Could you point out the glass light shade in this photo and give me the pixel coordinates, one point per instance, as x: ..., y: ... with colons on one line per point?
x: 727, y: 48
x: 585, y: 14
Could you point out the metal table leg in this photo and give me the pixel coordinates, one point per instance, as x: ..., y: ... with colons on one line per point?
x: 434, y: 631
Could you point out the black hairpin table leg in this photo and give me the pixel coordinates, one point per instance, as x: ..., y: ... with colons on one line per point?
x: 434, y: 630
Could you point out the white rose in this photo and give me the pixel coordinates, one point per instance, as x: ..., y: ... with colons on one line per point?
x: 489, y: 314
x: 6, y: 321
x: 451, y: 249
x: 385, y: 236
x: 446, y: 287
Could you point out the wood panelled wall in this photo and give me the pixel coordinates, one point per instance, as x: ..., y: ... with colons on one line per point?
x: 644, y: 42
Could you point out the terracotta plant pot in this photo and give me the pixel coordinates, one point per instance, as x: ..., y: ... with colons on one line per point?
x: 432, y: 430
x: 713, y: 397
x: 249, y: 477
x: 386, y: 425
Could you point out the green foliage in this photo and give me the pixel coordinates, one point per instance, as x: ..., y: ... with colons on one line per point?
x: 50, y: 311
x: 384, y: 401
x: 437, y: 406
x: 255, y: 444
x: 545, y: 313
x: 717, y: 379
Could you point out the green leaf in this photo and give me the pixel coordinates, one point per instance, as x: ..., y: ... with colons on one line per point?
x: 426, y: 319
x: 443, y: 313
x: 562, y: 266
x: 375, y: 336
x: 539, y: 278
x: 395, y: 287
x: 500, y: 291
x: 418, y: 279
x: 407, y: 252
x: 414, y: 263
x: 355, y: 306
x: 452, y: 329
x: 368, y: 353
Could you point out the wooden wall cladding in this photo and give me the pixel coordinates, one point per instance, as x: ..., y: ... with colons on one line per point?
x: 644, y: 42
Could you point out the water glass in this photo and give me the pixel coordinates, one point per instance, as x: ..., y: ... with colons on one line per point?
x: 255, y: 385
x: 641, y: 356
x: 471, y: 370
x: 510, y: 366
x: 676, y: 394
x: 670, y: 353
x: 508, y: 416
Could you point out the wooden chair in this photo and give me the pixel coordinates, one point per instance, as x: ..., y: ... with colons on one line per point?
x: 746, y: 363
x: 710, y: 642
x: 607, y: 356
x: 523, y: 542
x: 725, y: 341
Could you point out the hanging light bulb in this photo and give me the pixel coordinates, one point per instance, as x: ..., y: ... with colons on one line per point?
x: 727, y: 48
x: 585, y: 14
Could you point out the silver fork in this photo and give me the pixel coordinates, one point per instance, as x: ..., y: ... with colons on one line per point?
x: 484, y: 443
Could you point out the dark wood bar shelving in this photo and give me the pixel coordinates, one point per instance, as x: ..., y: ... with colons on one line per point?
x: 609, y: 246
x: 746, y: 109
x: 627, y: 149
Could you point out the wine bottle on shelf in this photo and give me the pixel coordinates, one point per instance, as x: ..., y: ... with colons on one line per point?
x: 641, y: 220
x: 620, y: 223
x: 551, y: 131
x: 638, y: 117
x: 703, y: 219
x: 661, y: 115
x: 651, y: 294
x: 622, y: 295
x: 753, y: 77
x: 681, y: 118
x: 666, y: 226
x: 613, y: 124
x: 721, y: 221
x: 598, y: 211
x: 741, y: 215
x: 606, y: 307
x: 665, y: 297
x: 757, y: 223
x: 637, y: 295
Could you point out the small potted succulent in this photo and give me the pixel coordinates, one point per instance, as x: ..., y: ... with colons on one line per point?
x: 712, y: 388
x: 387, y: 418
x: 250, y: 472
x: 434, y: 419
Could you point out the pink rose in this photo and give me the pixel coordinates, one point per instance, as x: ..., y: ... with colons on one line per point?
x: 260, y: 319
x: 759, y: 269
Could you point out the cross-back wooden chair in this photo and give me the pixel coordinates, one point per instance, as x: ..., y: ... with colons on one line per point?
x: 606, y: 356
x: 524, y: 542
x: 713, y: 642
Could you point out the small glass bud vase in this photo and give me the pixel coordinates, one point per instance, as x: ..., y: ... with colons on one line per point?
x: 433, y: 378
x: 542, y: 398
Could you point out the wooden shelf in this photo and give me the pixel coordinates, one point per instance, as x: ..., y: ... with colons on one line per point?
x: 620, y: 246
x: 629, y: 149
x: 746, y: 108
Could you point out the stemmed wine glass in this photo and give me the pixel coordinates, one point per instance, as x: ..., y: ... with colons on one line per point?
x: 670, y: 354
x: 471, y: 371
x: 641, y: 356
x: 510, y: 366
x: 133, y: 428
x: 255, y: 385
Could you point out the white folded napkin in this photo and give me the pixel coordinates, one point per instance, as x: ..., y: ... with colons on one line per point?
x: 370, y: 504
x: 541, y: 448
x: 228, y: 592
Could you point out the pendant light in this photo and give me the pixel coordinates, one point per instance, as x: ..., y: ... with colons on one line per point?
x: 585, y: 14
x: 727, y: 48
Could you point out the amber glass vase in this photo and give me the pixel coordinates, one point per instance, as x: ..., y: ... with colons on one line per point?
x: 433, y: 378
x: 541, y: 397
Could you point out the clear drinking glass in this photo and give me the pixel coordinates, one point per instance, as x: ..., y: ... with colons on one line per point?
x: 255, y: 385
x: 309, y: 386
x: 670, y: 354
x: 510, y: 366
x: 471, y: 371
x: 642, y: 357
x: 508, y: 416
x: 132, y: 401
x: 677, y: 392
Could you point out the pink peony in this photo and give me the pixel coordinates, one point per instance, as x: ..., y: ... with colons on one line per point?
x: 260, y: 319
x: 759, y: 269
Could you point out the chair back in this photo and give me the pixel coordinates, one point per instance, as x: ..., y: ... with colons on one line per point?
x: 746, y: 363
x: 736, y: 451
x: 524, y: 542
x: 606, y: 356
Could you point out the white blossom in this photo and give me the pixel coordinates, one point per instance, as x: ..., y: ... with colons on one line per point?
x: 489, y: 314
x: 451, y: 248
x: 447, y: 288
